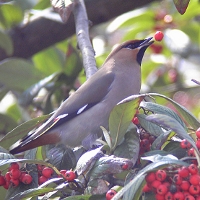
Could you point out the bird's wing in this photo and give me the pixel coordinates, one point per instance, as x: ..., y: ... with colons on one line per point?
x: 88, y: 95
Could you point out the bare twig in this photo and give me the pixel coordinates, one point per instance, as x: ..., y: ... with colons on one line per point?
x: 82, y: 32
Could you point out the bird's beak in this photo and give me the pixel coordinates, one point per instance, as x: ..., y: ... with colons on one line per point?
x: 146, y: 42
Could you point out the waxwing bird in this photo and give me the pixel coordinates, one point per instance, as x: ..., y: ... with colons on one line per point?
x: 77, y: 121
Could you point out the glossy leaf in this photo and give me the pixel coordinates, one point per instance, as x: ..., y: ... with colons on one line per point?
x: 120, y: 118
x: 170, y: 123
x: 160, y: 109
x: 106, y: 136
x: 130, y: 147
x: 160, y: 140
x: 185, y: 114
x: 150, y: 127
x: 31, y: 193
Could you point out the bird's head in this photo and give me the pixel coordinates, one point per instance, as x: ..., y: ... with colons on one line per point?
x: 131, y: 50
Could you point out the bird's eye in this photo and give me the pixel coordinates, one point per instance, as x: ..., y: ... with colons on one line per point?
x: 130, y: 46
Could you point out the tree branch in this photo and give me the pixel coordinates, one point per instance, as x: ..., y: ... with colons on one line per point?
x: 41, y: 32
x: 82, y: 33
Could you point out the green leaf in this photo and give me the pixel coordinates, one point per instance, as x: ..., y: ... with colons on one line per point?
x: 130, y: 147
x: 150, y: 127
x: 49, y: 61
x: 86, y: 197
x: 132, y: 190
x: 174, y: 148
x: 21, y: 131
x: 10, y: 15
x: 32, y: 193
x: 60, y: 156
x: 121, y: 116
x: 106, y: 136
x: 159, y: 109
x: 6, y: 43
x: 181, y: 5
x: 160, y: 140
x: 170, y: 123
x: 17, y: 74
x: 7, y: 123
x: 185, y: 114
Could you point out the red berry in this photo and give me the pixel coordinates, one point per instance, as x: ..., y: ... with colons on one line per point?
x: 6, y: 186
x: 47, y: 172
x: 160, y: 197
x: 193, y: 169
x: 15, y: 173
x: 161, y: 175
x: 155, y: 184
x: 158, y: 35
x: 194, y: 189
x: 183, y: 172
x: 144, y: 135
x: 191, y: 152
x: 125, y: 166
x: 135, y: 120
x: 177, y: 179
x: 162, y: 189
x: 42, y: 179
x: 167, y: 184
x: 63, y: 171
x: 150, y: 177
x: 7, y: 177
x: 13, y: 166
x: 198, y: 144
x: 185, y: 185
x: 189, y: 197
x: 185, y: 144
x: 152, y: 139
x: 198, y: 133
x: 70, y: 175
x: 110, y: 194
x: 21, y: 176
x: 179, y: 196
x: 2, y: 180
x: 14, y: 182
x: 146, y: 188
x: 169, y: 196
x: 145, y: 144
x: 27, y: 179
x: 194, y: 179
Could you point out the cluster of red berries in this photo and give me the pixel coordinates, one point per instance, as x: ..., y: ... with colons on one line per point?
x: 183, y: 185
x: 186, y: 145
x: 14, y: 176
x: 45, y: 173
x: 146, y: 141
